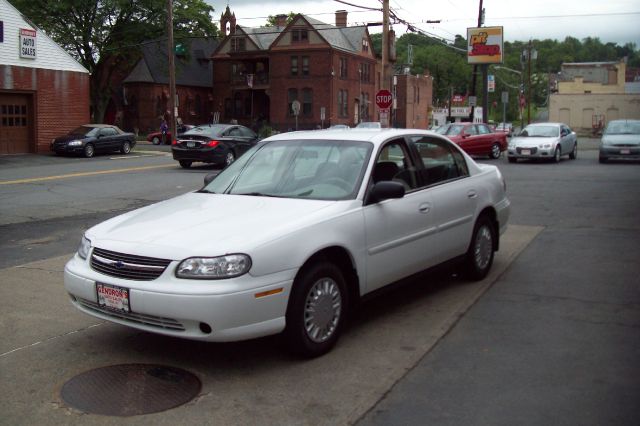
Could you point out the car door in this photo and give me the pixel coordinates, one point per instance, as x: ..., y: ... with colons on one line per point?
x: 566, y: 139
x: 249, y: 138
x: 469, y: 140
x: 484, y: 140
x: 453, y: 198
x: 396, y: 229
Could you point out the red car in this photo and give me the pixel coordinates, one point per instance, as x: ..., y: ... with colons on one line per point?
x: 156, y: 137
x: 476, y: 138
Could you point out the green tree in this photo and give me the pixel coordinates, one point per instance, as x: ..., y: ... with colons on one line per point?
x: 271, y: 20
x: 105, y: 35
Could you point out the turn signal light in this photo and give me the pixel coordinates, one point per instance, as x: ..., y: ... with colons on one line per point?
x: 213, y: 143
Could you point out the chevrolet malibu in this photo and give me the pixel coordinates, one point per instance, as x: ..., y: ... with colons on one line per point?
x: 290, y: 236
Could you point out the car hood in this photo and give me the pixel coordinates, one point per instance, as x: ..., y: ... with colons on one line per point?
x: 200, y: 224
x: 626, y: 140
x: 532, y: 141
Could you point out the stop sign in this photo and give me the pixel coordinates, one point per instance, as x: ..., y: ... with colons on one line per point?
x: 384, y: 99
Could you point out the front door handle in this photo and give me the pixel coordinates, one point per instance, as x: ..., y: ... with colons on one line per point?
x: 424, y: 208
x: 472, y: 193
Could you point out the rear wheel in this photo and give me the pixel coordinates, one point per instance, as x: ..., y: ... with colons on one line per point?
x: 495, y: 151
x: 185, y: 164
x: 126, y: 147
x: 89, y: 151
x: 317, y: 310
x: 479, y: 257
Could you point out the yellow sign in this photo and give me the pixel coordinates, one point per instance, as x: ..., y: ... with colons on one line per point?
x: 485, y: 45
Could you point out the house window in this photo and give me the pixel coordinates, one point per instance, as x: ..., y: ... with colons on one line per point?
x: 300, y: 36
x: 307, y: 102
x: 343, y: 106
x: 292, y: 95
x: 343, y: 67
x: 305, y: 65
x: 365, y: 73
x: 238, y: 44
x: 294, y: 65
x: 365, y: 45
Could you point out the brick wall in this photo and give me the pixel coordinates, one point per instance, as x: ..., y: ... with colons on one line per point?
x: 61, y: 100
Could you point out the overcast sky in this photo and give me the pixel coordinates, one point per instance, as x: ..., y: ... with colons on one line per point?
x: 615, y: 21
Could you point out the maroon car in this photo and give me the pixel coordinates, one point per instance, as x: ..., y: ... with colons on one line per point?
x: 156, y: 137
x: 476, y: 138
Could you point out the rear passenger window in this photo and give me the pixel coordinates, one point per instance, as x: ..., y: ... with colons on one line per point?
x: 441, y: 162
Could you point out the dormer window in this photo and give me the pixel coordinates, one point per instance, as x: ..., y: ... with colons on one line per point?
x: 365, y: 45
x: 238, y: 44
x: 300, y: 35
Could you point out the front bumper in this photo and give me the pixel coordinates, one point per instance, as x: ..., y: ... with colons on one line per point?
x: 209, y: 310
x: 620, y: 152
x: 530, y: 152
x: 66, y: 149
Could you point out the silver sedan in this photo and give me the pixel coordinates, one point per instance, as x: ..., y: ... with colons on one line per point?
x: 544, y: 141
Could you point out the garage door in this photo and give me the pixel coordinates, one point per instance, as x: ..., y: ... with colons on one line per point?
x: 16, y: 123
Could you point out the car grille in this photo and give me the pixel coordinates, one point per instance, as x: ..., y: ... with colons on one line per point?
x: 127, y: 266
x: 149, y: 320
x: 532, y: 150
x: 625, y: 145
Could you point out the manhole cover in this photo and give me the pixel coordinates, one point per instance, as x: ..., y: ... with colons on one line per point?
x: 130, y: 389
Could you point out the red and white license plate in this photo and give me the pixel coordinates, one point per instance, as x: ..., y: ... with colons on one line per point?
x: 526, y: 152
x: 113, y: 297
x: 625, y: 151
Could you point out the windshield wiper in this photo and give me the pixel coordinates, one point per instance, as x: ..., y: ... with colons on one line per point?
x: 258, y: 194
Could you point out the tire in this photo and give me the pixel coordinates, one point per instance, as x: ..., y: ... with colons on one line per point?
x: 229, y: 158
x: 89, y: 150
x: 557, y: 155
x: 512, y: 159
x: 125, y: 148
x: 155, y: 140
x: 495, y: 151
x: 479, y: 257
x: 574, y: 152
x: 317, y: 310
x: 185, y: 164
x: 603, y: 160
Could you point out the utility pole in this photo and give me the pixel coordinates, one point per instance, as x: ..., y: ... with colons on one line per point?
x: 385, y: 45
x: 475, y: 67
x: 172, y: 70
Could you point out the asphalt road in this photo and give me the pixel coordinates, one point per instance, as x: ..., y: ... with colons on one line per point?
x: 550, y: 337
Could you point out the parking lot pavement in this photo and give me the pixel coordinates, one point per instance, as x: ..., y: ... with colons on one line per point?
x: 46, y: 342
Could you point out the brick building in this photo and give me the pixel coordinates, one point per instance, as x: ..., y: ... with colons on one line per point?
x: 43, y: 91
x: 146, y: 89
x: 414, y: 97
x: 330, y: 70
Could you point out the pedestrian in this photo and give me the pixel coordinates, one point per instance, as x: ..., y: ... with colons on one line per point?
x: 164, y: 128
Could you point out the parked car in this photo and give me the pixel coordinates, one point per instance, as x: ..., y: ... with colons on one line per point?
x: 475, y: 138
x: 543, y: 141
x: 369, y: 125
x: 620, y: 140
x: 156, y: 137
x: 339, y: 127
x: 505, y: 128
x: 219, y: 144
x: 290, y: 236
x: 90, y: 139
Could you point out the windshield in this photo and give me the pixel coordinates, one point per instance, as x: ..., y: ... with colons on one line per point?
x: 84, y: 131
x: 623, y: 128
x: 214, y: 130
x: 312, y: 169
x: 541, y: 131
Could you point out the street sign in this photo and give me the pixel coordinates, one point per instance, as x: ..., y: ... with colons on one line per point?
x: 473, y: 101
x: 295, y: 107
x: 505, y: 97
x: 491, y: 83
x: 384, y: 98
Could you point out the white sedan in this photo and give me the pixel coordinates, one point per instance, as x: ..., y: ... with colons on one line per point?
x: 290, y: 236
x: 548, y: 141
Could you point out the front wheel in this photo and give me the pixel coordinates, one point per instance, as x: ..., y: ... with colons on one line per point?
x: 512, y: 159
x: 125, y: 148
x: 574, y: 152
x: 495, y: 151
x: 556, y: 155
x: 155, y: 140
x: 185, y: 164
x: 89, y: 151
x: 479, y: 257
x: 229, y: 158
x: 317, y: 310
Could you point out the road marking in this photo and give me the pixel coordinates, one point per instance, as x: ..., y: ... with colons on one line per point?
x: 72, y: 175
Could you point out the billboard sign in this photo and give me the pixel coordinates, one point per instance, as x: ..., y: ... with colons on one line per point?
x: 485, y: 45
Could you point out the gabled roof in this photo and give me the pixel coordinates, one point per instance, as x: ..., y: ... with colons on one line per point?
x: 193, y: 69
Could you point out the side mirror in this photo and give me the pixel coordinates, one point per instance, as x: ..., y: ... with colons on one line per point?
x: 209, y: 177
x: 385, y: 190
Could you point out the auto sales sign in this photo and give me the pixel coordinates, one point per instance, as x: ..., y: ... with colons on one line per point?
x: 28, y: 43
x: 484, y: 45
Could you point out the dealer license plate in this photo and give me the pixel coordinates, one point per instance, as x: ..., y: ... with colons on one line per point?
x: 625, y: 151
x: 526, y: 152
x: 112, y: 297
x: 191, y: 144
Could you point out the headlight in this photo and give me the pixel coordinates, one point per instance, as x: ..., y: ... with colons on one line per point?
x: 75, y: 143
x: 228, y: 266
x: 85, y: 246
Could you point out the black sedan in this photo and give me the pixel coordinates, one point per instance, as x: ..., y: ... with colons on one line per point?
x: 219, y: 144
x: 89, y: 139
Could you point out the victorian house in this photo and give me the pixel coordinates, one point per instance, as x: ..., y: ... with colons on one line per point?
x: 304, y: 74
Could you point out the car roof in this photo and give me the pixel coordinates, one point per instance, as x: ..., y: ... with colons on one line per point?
x: 546, y: 124
x: 375, y: 136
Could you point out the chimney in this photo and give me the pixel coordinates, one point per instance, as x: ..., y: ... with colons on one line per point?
x: 281, y: 20
x: 341, y: 18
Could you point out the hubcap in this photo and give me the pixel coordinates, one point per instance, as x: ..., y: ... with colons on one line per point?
x: 496, y: 151
x: 483, y: 247
x: 230, y: 158
x: 322, y: 310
